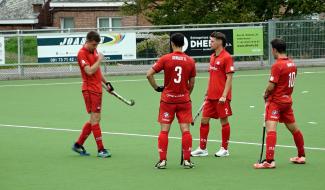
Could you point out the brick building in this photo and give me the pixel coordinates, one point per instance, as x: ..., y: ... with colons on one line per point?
x: 62, y: 14
x: 91, y: 14
x: 24, y: 14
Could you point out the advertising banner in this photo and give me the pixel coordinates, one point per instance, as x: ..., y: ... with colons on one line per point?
x: 64, y: 48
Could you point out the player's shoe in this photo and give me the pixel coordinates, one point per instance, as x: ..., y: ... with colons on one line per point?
x: 265, y: 165
x: 222, y: 153
x: 161, y: 164
x: 199, y: 152
x: 104, y: 153
x: 187, y: 164
x: 80, y: 149
x: 298, y: 160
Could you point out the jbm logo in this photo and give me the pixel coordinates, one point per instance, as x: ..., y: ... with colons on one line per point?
x: 109, y: 40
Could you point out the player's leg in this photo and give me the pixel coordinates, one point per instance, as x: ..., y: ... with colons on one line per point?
x: 165, y: 118
x: 163, y: 146
x: 271, y: 136
x: 299, y: 141
x: 95, y: 116
x: 225, y: 136
x: 208, y: 112
x: 272, y: 116
x: 184, y: 116
x: 289, y: 120
x: 224, y: 111
x: 186, y: 144
x: 86, y: 130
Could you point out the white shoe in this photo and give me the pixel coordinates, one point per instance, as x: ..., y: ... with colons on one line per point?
x: 199, y: 152
x: 222, y: 153
x: 161, y: 164
x: 187, y: 164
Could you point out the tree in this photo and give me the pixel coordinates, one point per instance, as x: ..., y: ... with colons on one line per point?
x: 220, y: 11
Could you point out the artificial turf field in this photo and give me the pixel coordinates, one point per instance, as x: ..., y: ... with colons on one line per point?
x: 36, y: 155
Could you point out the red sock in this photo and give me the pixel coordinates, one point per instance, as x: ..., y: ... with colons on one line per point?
x: 86, y: 130
x: 204, y: 132
x: 299, y: 141
x: 270, y: 145
x: 187, y: 145
x: 163, y: 144
x: 225, y: 131
x: 98, y: 136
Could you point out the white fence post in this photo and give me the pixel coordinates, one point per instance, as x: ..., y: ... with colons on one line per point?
x: 271, y: 36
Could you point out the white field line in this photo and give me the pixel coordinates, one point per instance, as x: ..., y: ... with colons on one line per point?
x: 137, y: 80
x: 143, y: 135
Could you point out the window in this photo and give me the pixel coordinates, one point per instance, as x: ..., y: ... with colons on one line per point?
x: 67, y: 22
x: 103, y: 23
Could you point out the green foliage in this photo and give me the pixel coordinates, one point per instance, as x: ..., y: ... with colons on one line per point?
x: 158, y: 43
x: 220, y: 11
x: 29, y: 50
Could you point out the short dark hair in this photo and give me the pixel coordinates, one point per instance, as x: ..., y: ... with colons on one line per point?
x: 279, y: 45
x: 219, y: 36
x: 177, y: 39
x: 93, y: 36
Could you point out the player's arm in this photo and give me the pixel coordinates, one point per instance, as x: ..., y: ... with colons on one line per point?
x: 110, y: 87
x: 269, y: 89
x: 274, y: 78
x: 192, y: 78
x: 191, y: 84
x: 90, y: 70
x: 227, y: 88
x: 150, y: 76
x: 229, y: 74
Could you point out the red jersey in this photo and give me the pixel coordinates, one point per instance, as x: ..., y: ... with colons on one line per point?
x: 178, y: 69
x: 220, y: 66
x: 93, y: 82
x: 283, y: 75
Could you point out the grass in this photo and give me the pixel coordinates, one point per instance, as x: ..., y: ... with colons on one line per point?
x: 29, y: 50
x: 42, y: 159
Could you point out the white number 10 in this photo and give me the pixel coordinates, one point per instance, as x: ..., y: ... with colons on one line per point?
x: 178, y: 69
x: 292, y: 78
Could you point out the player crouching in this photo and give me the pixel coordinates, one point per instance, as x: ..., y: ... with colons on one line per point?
x: 279, y: 105
x: 179, y: 77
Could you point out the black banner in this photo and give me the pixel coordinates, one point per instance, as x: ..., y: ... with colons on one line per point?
x: 197, y: 43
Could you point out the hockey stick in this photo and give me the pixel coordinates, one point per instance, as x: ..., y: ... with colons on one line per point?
x: 198, y: 113
x: 182, y: 158
x: 262, y: 145
x: 128, y: 102
x: 263, y: 137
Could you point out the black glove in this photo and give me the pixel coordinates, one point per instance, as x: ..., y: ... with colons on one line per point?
x: 160, y: 88
x: 110, y: 88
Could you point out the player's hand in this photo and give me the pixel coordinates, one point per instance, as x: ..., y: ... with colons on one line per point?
x: 100, y: 57
x: 110, y: 87
x: 222, y: 100
x: 160, y: 88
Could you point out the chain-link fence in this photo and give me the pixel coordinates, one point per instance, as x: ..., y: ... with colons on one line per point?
x: 305, y: 39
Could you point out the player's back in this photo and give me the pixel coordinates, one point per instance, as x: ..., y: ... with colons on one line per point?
x: 284, y: 73
x: 178, y: 69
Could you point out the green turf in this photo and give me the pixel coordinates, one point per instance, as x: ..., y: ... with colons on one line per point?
x: 41, y: 159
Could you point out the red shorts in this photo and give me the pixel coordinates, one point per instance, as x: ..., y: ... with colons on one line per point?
x: 282, y: 113
x: 216, y: 110
x: 93, y: 101
x: 167, y: 113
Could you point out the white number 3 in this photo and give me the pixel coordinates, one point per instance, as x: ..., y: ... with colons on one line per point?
x: 178, y: 69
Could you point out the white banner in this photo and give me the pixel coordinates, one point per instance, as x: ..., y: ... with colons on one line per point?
x: 64, y: 48
x: 2, y: 50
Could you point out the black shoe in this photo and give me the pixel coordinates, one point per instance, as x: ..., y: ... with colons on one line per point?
x: 80, y: 149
